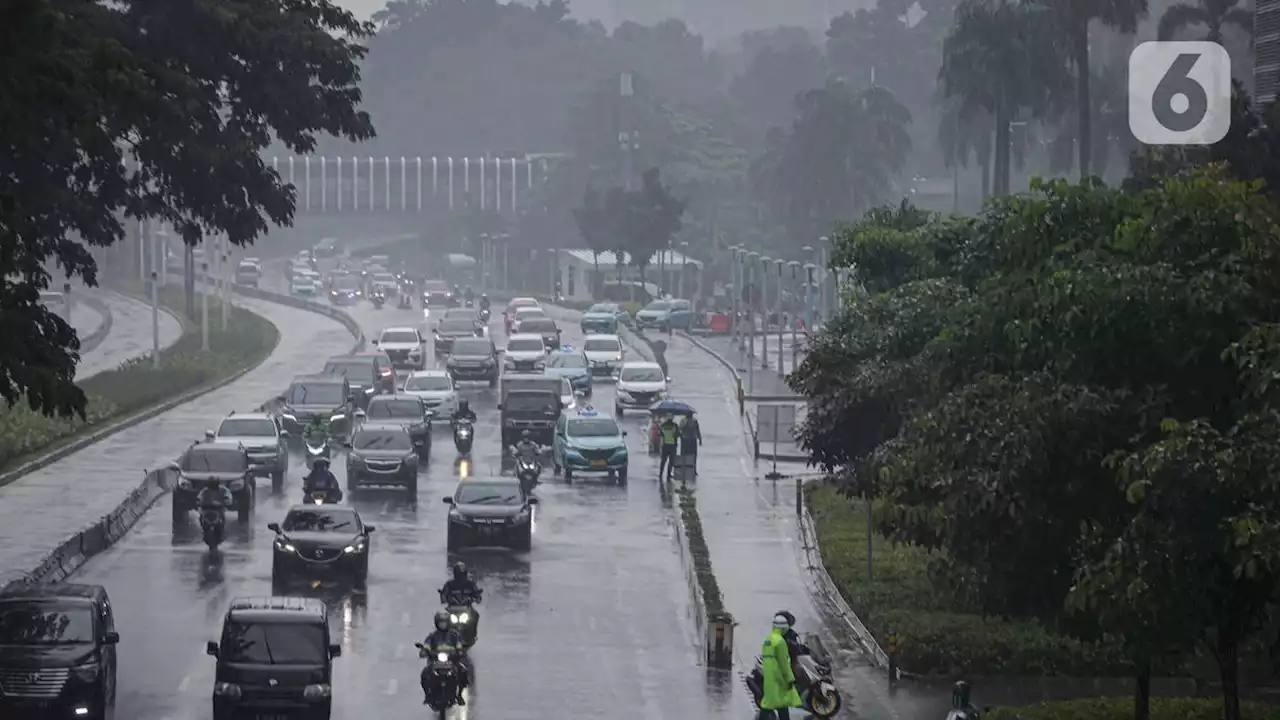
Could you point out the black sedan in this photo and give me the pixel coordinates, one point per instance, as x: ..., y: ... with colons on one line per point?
x: 451, y: 329
x: 382, y: 457
x: 319, y: 542
x: 407, y: 412
x: 493, y: 511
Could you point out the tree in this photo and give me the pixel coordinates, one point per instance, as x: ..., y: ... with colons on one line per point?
x: 773, y: 78
x: 1109, y: 124
x: 1213, y: 15
x: 650, y: 217
x: 594, y: 225
x: 136, y: 110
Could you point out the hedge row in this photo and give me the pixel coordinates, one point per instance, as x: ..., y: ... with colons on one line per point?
x: 1122, y: 709
x: 936, y: 634
x: 135, y: 385
x: 701, y: 554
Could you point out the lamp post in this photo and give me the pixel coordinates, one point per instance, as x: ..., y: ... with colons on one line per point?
x: 750, y: 289
x: 735, y: 296
x: 155, y: 304
x: 684, y: 267
x: 781, y: 325
x: 808, y: 286
x: 765, y: 262
x: 795, y: 347
x: 824, y: 243
x: 204, y: 303
x: 506, y: 246
x: 225, y: 296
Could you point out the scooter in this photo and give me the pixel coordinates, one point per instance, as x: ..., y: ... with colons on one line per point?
x: 316, y: 449
x: 818, y: 692
x: 463, y: 436
x: 463, y: 616
x: 321, y: 497
x: 440, y: 679
x: 527, y: 471
x: 378, y: 298
x: 484, y: 315
x: 213, y: 522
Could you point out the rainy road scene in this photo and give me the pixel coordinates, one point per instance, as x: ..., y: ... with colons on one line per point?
x: 711, y: 360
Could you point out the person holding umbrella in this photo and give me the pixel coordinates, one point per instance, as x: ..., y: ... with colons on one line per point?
x: 669, y: 434
x: 690, y: 439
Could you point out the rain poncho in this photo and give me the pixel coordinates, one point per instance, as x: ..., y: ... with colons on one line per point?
x: 779, y: 682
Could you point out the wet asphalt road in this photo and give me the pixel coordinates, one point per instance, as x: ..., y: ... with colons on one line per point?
x: 130, y: 337
x: 593, y: 622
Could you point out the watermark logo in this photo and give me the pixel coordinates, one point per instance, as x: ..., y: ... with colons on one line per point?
x: 1179, y: 93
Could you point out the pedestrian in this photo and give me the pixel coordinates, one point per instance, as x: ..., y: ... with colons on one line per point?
x: 780, y: 694
x: 690, y: 439
x: 669, y: 433
x: 660, y: 355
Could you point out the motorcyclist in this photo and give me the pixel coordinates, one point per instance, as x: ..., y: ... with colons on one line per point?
x: 460, y: 585
x: 484, y: 301
x: 316, y: 429
x: 464, y: 412
x: 468, y: 294
x: 780, y: 694
x: 960, y: 701
x: 321, y: 479
x: 215, y: 497
x: 445, y: 639
x: 527, y: 449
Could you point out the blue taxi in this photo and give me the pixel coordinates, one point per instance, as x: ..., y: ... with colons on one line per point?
x: 603, y: 318
x: 590, y: 442
x: 571, y: 364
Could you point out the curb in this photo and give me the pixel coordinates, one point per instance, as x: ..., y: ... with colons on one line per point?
x: 77, y: 549
x: 698, y: 608
x: 91, y: 341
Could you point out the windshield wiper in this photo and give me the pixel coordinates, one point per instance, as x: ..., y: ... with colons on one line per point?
x: 484, y: 500
x: 339, y: 526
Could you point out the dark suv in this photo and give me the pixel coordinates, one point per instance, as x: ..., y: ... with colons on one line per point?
x: 535, y: 410
x: 361, y: 374
x: 472, y: 359
x: 212, y: 463
x: 57, y: 652
x: 275, y: 659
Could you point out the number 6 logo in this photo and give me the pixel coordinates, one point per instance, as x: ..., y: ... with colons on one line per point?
x: 1179, y: 93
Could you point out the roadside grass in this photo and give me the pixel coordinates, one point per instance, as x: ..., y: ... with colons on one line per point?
x: 1122, y: 709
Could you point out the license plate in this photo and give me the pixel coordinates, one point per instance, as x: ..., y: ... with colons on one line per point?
x: 598, y: 463
x: 270, y: 716
x: 26, y: 703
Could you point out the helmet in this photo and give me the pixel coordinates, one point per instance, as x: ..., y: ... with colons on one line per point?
x: 321, y: 463
x: 525, y: 434
x: 960, y: 695
x: 780, y: 622
x: 442, y: 620
x: 791, y: 619
x: 459, y: 571
x: 484, y: 295
x: 464, y: 405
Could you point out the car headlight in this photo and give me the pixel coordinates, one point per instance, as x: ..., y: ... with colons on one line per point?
x: 415, y: 352
x: 289, y: 416
x: 452, y: 361
x: 337, y: 416
x: 282, y: 545
x: 228, y: 690
x: 620, y: 452
x: 624, y: 395
x: 442, y: 657
x: 617, y: 358
x: 316, y: 692
x: 464, y: 618
x: 87, y: 672
x: 185, y: 484
x: 354, y: 548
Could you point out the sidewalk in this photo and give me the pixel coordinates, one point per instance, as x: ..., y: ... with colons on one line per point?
x: 130, y: 335
x: 756, y: 380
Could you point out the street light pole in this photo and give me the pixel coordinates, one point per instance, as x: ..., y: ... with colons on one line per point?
x: 750, y: 288
x: 795, y: 348
x: 808, y: 287
x: 155, y: 302
x: 204, y: 303
x: 765, y: 262
x: 781, y: 325
x: 735, y: 293
x: 823, y: 279
x: 226, y: 280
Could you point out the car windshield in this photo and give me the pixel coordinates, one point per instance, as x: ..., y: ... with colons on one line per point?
x: 435, y: 286
x: 410, y: 408
x: 471, y: 347
x: 320, y: 520
x: 602, y: 346
x: 566, y: 360
x: 355, y: 369
x: 457, y: 324
x: 247, y: 268
x: 214, y: 460
x: 473, y: 493
x: 521, y: 302
x: 532, y: 403
x: 346, y: 282
x: 304, y: 280
x: 45, y: 622
x: 246, y: 427
x: 526, y: 345
x: 593, y: 427
x: 658, y: 306
x: 319, y: 393
x: 286, y: 643
x: 399, y: 336
x: 530, y: 312
x: 376, y: 440
x: 606, y: 309
x: 538, y: 325
x: 428, y: 382
x: 385, y: 278
x: 642, y: 375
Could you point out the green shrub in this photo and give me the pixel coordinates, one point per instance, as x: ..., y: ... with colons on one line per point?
x: 701, y: 554
x: 1122, y: 709
x: 135, y: 385
x: 937, y: 634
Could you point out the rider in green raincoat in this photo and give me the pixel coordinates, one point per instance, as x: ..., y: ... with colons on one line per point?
x: 779, y: 681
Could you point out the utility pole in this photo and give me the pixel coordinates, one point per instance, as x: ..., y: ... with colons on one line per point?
x: 627, y: 136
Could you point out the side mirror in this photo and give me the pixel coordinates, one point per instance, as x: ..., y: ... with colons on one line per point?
x: 533, y: 501
x: 273, y: 527
x: 624, y: 433
x: 210, y: 434
x: 346, y: 444
x: 448, y: 500
x: 667, y: 378
x: 175, y: 467
x: 335, y: 651
x: 284, y: 434
x: 499, y: 406
x: 211, y: 648
x: 373, y: 343
x: 368, y: 529
x: 111, y: 638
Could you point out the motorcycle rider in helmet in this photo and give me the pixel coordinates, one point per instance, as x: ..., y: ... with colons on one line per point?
x: 484, y: 301
x: 464, y: 411
x: 213, y: 497
x: 445, y: 639
x: 321, y: 479
x: 462, y: 590
x: 527, y: 449
x: 317, y: 429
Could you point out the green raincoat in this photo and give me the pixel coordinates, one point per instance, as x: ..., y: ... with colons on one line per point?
x: 779, y: 682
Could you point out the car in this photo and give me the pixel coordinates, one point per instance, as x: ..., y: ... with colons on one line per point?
x: 386, y: 369
x: 603, y: 318
x: 524, y: 353
x: 544, y: 326
x: 303, y: 285
x: 572, y: 365
x: 57, y: 652
x: 530, y: 408
x: 384, y: 281
x: 327, y: 248
x: 212, y: 463
x: 568, y: 396
x: 319, y: 542
x: 437, y: 391
x: 361, y: 374
x: 639, y: 385
x: 450, y: 329
x: 473, y: 359
x: 328, y: 397
x: 527, y: 313
x: 344, y: 289
x: 490, y: 511
x: 261, y: 437
x: 403, y: 346
x: 274, y: 659
x: 665, y: 315
x: 438, y: 294
x: 400, y: 412
x: 590, y: 442
x: 606, y: 354
x: 248, y: 274
x: 509, y: 314
x: 382, y: 456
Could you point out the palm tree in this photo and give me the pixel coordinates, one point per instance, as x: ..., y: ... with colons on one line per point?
x: 1002, y: 57
x: 1215, y: 15
x: 1109, y: 122
x: 1074, y: 17
x: 963, y: 135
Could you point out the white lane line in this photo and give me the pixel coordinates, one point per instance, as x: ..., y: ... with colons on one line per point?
x: 392, y: 686
x: 182, y: 686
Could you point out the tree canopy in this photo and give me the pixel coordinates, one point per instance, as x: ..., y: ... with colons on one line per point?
x: 127, y: 110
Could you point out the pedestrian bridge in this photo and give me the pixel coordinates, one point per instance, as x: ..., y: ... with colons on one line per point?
x: 370, y: 185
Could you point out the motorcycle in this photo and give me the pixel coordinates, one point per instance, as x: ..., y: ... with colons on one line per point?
x: 316, y: 448
x: 378, y: 298
x: 463, y: 616
x: 213, y: 521
x: 527, y: 471
x: 321, y: 497
x: 463, y: 436
x: 440, y: 679
x: 484, y: 315
x: 818, y: 692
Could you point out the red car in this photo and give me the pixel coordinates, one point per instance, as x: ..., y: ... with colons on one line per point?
x: 509, y: 315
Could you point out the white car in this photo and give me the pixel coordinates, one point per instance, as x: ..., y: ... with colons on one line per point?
x: 527, y: 313
x: 640, y: 384
x: 385, y: 282
x: 437, y: 390
x: 605, y: 353
x: 306, y: 285
x: 405, y: 347
x: 568, y: 398
x: 526, y: 352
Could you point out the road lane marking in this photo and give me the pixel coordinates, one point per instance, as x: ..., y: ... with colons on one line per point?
x: 182, y: 686
x: 392, y: 686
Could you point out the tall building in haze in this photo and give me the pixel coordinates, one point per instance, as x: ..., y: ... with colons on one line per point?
x: 1266, y: 50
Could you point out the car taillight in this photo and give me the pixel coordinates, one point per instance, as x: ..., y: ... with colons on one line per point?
x: 386, y: 372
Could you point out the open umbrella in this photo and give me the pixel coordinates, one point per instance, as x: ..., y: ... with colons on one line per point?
x: 672, y: 407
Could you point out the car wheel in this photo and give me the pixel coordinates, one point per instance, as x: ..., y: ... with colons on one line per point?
x: 277, y: 482
x: 279, y: 581
x: 360, y: 578
x: 493, y: 381
x: 617, y: 409
x: 412, y: 487
x: 588, y: 393
x: 568, y: 474
x: 452, y: 539
x: 523, y: 541
x: 179, y: 512
x: 244, y: 504
x: 622, y: 476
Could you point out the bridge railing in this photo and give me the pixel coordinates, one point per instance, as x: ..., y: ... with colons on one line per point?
x: 408, y: 184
